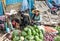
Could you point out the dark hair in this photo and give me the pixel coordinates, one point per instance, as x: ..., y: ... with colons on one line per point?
x: 15, y: 19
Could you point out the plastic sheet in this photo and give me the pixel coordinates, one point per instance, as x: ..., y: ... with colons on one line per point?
x: 31, y: 4
x: 1, y: 9
x: 25, y: 5
x: 13, y: 1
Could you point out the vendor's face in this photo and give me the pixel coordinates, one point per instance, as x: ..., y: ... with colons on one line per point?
x: 37, y: 13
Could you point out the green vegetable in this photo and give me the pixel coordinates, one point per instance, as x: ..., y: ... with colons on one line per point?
x: 58, y: 29
x: 25, y: 39
x: 26, y: 29
x: 23, y: 33
x: 37, y: 30
x: 57, y: 38
x: 15, y: 38
x: 21, y: 38
x: 34, y: 32
x: 15, y: 33
x: 29, y: 32
x: 29, y: 37
x: 37, y: 38
x: 41, y: 36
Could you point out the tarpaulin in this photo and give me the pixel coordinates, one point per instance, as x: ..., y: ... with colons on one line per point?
x: 25, y: 5
x: 1, y: 8
x: 13, y: 1
x: 31, y: 4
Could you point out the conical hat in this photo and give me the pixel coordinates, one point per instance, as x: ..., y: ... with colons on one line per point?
x: 33, y: 11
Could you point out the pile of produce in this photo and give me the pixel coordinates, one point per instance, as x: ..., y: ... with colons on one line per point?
x: 58, y: 29
x: 49, y: 37
x: 30, y: 33
x: 57, y: 38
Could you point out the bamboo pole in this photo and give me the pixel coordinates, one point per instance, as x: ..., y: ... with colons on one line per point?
x: 4, y: 5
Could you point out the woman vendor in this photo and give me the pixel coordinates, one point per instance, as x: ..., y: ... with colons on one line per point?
x: 36, y: 18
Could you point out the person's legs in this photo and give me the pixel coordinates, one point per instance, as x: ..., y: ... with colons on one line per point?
x: 57, y: 6
x: 53, y: 12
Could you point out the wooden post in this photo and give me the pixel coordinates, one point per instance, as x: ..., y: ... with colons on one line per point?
x: 4, y: 4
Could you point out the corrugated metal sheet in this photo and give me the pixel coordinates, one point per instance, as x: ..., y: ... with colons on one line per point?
x: 1, y: 8
x: 13, y: 1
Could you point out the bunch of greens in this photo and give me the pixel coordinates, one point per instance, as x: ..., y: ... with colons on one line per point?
x: 57, y: 38
x: 58, y: 29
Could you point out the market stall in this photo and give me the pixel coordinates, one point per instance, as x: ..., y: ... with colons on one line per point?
x: 28, y: 20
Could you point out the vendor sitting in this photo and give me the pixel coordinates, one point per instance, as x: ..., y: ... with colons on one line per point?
x: 36, y: 18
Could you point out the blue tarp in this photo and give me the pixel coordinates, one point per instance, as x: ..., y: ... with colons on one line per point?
x: 1, y: 8
x: 13, y: 1
x: 31, y: 4
x: 25, y: 5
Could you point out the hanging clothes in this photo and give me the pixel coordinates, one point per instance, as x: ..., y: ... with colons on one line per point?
x: 1, y: 8
x: 25, y: 5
